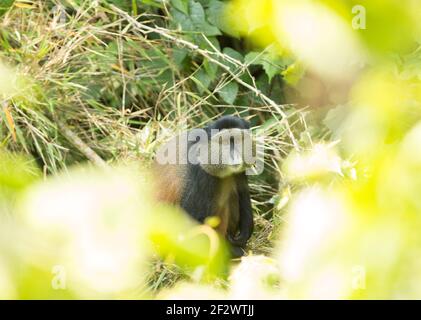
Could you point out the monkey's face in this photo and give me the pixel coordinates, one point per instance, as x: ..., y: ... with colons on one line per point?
x: 226, y: 152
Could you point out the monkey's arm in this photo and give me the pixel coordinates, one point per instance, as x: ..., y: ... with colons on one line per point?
x: 246, y: 214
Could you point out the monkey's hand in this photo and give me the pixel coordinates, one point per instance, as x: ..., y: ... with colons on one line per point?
x: 238, y: 241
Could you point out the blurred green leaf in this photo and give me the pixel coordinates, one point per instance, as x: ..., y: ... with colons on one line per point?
x: 176, y: 237
x: 293, y: 73
x: 391, y: 25
x: 5, y: 5
x: 335, y: 118
x: 16, y: 171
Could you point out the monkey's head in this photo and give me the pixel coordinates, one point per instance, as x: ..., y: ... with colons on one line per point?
x: 228, y: 148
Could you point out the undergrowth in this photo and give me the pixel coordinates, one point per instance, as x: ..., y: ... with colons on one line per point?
x: 105, y: 82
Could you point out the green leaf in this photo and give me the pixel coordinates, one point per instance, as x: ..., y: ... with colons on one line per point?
x: 411, y: 66
x: 182, y: 5
x: 165, y: 77
x: 262, y: 82
x: 203, y: 80
x: 211, y: 69
x: 5, y: 6
x: 270, y: 62
x: 215, y: 12
x: 293, y: 73
x: 205, y: 44
x: 229, y: 92
x: 197, y: 15
x: 179, y: 55
x: 270, y: 69
x: 233, y: 54
x: 195, y: 21
x: 182, y: 20
x: 253, y: 58
x: 216, y: 15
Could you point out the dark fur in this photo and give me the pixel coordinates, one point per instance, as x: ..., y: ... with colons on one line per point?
x: 203, y: 195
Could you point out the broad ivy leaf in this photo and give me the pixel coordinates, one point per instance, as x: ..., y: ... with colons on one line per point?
x: 229, y: 92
